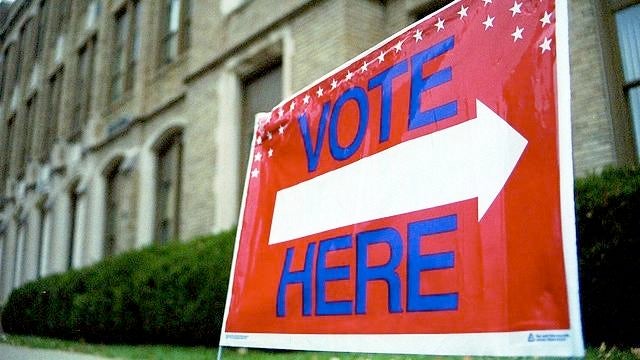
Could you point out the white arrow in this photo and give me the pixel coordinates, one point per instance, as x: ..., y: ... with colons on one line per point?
x: 471, y: 160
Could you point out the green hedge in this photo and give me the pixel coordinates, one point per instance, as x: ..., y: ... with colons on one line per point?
x: 608, y: 216
x: 162, y: 294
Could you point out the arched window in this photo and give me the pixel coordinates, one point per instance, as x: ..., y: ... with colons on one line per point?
x: 168, y: 188
x: 113, y: 205
x: 44, y: 239
x: 74, y: 198
x: 21, y: 239
x: 3, y: 261
x: 261, y: 91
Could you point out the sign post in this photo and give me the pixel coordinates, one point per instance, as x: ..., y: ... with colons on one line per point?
x: 419, y: 199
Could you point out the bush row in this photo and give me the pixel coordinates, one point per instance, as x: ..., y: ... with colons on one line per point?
x: 608, y: 217
x: 162, y: 294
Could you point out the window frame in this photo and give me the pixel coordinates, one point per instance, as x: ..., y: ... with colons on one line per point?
x: 110, y: 214
x: 125, y: 69
x: 43, y: 23
x: 27, y: 134
x: 246, y: 115
x: 74, y: 205
x: 42, y: 232
x: 84, y: 82
x: 181, y: 35
x: 164, y: 165
x: 54, y: 97
x: 9, y: 137
x: 622, y: 123
x: 59, y: 17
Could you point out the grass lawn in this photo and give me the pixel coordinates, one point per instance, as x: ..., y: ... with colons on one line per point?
x: 167, y: 352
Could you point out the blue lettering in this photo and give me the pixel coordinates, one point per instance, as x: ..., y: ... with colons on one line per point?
x: 313, y: 154
x: 386, y: 272
x: 325, y: 274
x: 418, y: 118
x: 384, y: 79
x: 289, y: 277
x: 417, y: 263
x: 360, y: 97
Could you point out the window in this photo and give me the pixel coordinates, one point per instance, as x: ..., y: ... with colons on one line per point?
x: 134, y: 43
x: 111, y: 201
x: 30, y: 43
x: 61, y: 12
x: 8, y: 149
x: 175, y: 31
x: 168, y: 187
x: 19, y: 56
x: 74, y: 198
x: 118, y: 231
x: 28, y: 129
x: 84, y: 84
x: 126, y: 49
x: 43, y: 241
x: 60, y: 17
x: 53, y: 110
x: 627, y: 22
x: 21, y: 239
x: 3, y: 72
x: 43, y: 17
x: 261, y: 92
x: 3, y: 241
x: 12, y: 67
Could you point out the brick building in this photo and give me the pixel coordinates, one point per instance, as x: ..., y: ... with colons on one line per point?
x: 127, y: 122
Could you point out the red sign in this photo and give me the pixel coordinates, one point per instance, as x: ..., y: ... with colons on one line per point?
x: 419, y: 198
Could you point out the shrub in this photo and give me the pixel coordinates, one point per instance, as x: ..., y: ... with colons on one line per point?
x: 608, y: 217
x: 161, y: 294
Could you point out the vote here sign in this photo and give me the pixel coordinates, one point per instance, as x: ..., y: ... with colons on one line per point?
x: 419, y: 198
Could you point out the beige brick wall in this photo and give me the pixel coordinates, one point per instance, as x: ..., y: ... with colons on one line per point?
x: 593, y: 143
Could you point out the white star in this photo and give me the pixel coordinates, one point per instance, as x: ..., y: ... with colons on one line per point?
x: 417, y: 35
x: 463, y: 11
x: 269, y: 136
x: 320, y: 91
x: 255, y: 173
x: 486, y: 2
x: 270, y: 153
x: 349, y: 75
x: 440, y: 24
x: 267, y: 119
x: 515, y: 9
x: 489, y: 22
x: 280, y: 112
x: 517, y: 34
x: 381, y: 57
x: 364, y: 67
x: 259, y: 140
x: 546, y: 45
x: 398, y: 46
x: 281, y: 130
x: 546, y: 19
x: 306, y: 99
x: 334, y: 84
x: 292, y: 106
x: 258, y: 156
